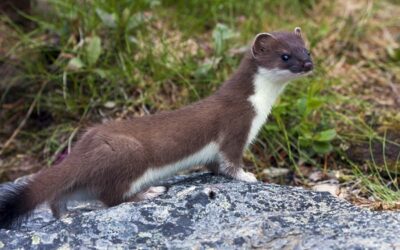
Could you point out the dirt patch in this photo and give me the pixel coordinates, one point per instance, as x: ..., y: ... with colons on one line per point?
x: 378, y: 152
x: 363, y: 51
x: 20, y: 165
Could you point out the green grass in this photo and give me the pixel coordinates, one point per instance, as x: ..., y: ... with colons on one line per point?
x: 107, y: 59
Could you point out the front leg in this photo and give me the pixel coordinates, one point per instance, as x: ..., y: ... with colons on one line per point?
x: 235, y: 170
x: 231, y: 151
x: 227, y: 168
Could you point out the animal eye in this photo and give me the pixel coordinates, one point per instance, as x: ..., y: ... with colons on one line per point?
x: 285, y: 57
x: 308, y: 52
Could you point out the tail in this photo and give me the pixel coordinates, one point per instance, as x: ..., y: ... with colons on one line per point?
x: 18, y: 200
x: 12, y: 204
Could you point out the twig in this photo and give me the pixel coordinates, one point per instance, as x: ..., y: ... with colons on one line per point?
x: 395, y: 91
x: 23, y: 122
x: 325, y: 164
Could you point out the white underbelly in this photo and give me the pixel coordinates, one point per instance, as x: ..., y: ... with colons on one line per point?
x: 256, y: 124
x: 153, y: 174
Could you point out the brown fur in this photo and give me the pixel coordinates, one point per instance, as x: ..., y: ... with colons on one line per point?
x: 109, y: 157
x: 270, y: 46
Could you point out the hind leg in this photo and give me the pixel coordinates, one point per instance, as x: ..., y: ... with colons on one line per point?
x: 58, y: 206
x: 150, y: 193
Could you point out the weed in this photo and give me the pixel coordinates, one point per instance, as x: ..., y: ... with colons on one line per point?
x: 89, y: 61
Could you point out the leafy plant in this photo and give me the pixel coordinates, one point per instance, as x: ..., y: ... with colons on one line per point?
x: 109, y: 59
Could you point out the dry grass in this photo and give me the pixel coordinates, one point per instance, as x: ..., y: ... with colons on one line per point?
x: 171, y: 59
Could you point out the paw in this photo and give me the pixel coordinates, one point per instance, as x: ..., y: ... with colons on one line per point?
x: 153, y: 192
x: 245, y: 176
x: 157, y: 189
x: 58, y: 209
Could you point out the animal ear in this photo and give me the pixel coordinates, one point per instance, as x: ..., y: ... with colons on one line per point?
x: 297, y: 31
x: 262, y: 43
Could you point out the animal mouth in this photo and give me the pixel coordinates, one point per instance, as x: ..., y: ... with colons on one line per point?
x: 302, y: 72
x: 306, y: 73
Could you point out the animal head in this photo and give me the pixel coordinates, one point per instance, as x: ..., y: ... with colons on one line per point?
x: 283, y: 55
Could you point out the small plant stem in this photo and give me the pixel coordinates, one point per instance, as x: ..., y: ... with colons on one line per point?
x: 23, y: 122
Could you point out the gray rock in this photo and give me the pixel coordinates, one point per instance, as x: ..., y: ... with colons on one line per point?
x: 204, y: 211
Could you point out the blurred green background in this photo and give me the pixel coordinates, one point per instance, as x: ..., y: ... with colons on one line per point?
x: 66, y: 64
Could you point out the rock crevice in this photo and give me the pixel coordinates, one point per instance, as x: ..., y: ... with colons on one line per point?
x: 205, y: 211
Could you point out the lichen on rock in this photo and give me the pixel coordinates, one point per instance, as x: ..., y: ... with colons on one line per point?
x: 205, y: 211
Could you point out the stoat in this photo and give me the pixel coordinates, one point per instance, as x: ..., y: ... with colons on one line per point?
x: 120, y: 161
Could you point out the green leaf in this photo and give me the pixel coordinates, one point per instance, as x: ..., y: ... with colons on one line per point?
x: 154, y: 3
x: 281, y: 108
x: 207, y: 66
x: 220, y: 34
x: 204, y: 69
x: 302, y: 106
x: 271, y: 127
x: 304, y: 142
x: 306, y: 135
x: 75, y: 64
x: 322, y: 147
x: 314, y: 103
x: 394, y: 53
x: 93, y: 50
x: 109, y: 20
x: 100, y: 72
x: 325, y: 136
x: 135, y: 21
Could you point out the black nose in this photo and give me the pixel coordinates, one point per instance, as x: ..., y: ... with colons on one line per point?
x: 307, y: 66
